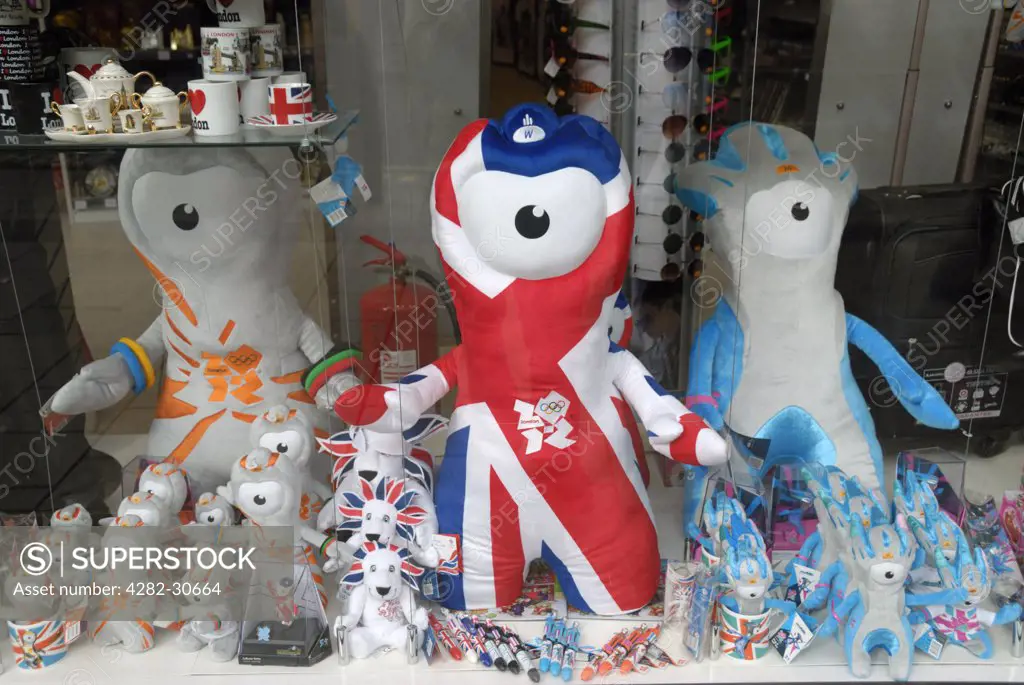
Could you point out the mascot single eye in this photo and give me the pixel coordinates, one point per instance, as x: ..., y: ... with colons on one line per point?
x: 213, y: 517
x: 286, y: 582
x: 888, y: 574
x: 261, y: 499
x: 800, y: 211
x: 532, y: 222
x: 391, y: 568
x: 185, y: 217
x: 289, y: 442
x: 533, y: 227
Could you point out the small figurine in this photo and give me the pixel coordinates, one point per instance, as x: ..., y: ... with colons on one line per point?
x: 288, y: 432
x: 206, y: 621
x: 133, y: 636
x: 214, y: 510
x: 384, y: 514
x: 267, y: 488
x: 382, y: 604
x: 167, y: 483
x: 369, y: 455
x: 964, y: 624
x: 71, y: 515
x: 151, y: 509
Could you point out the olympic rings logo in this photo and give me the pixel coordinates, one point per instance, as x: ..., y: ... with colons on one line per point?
x: 552, y: 407
x: 242, y: 359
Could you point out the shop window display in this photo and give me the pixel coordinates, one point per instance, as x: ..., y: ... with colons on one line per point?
x: 567, y: 339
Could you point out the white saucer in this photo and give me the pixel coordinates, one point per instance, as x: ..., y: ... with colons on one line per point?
x: 62, y: 136
x: 266, y: 123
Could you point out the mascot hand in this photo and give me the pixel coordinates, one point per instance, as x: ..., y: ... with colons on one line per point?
x: 100, y: 384
x: 709, y: 412
x: 419, y: 618
x: 328, y: 518
x: 334, y: 388
x: 382, y: 408
x: 1007, y: 613
x: 689, y: 440
x: 918, y: 397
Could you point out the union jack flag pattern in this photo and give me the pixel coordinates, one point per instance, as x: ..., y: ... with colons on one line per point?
x: 533, y: 217
x: 37, y: 644
x: 291, y: 104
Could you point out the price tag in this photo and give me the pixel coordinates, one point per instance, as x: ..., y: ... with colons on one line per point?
x: 110, y: 203
x: 552, y: 96
x: 163, y: 55
x: 81, y: 204
x: 364, y: 187
x: 552, y: 67
x: 72, y: 631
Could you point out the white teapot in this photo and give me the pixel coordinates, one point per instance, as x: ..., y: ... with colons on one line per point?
x: 166, y: 105
x: 111, y: 79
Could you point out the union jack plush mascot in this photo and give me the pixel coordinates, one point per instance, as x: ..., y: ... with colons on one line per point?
x: 533, y: 217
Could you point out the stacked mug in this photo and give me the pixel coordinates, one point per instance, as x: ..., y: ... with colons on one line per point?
x: 240, y: 56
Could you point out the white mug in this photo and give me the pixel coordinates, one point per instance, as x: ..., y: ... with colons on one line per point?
x: 98, y: 113
x: 20, y: 13
x: 254, y: 98
x: 215, y: 110
x: 291, y: 77
x: 136, y: 120
x: 71, y: 115
x: 267, y: 50
x: 238, y: 13
x: 225, y: 53
x: 291, y: 103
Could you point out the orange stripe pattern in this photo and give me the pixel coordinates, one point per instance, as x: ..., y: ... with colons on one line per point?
x: 180, y: 453
x: 169, y: 287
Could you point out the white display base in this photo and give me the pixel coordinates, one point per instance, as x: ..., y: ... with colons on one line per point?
x: 89, y: 664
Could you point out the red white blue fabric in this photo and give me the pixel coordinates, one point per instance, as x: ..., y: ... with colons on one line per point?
x: 542, y: 458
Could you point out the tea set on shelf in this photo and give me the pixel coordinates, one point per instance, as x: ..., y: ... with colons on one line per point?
x: 109, y: 108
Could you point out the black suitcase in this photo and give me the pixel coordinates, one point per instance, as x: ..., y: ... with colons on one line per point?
x: 921, y: 266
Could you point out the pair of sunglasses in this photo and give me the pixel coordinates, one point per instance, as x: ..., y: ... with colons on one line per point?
x: 671, y: 215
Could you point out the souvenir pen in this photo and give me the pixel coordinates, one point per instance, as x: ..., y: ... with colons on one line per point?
x: 547, y: 643
x: 619, y: 653
x: 595, y: 664
x: 443, y: 637
x: 557, y: 648
x: 522, y: 657
x: 499, y: 640
x: 492, y: 649
x: 572, y: 643
x: 479, y: 647
x: 638, y: 652
x: 456, y: 630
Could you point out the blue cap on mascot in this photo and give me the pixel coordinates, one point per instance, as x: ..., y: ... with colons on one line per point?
x: 531, y: 140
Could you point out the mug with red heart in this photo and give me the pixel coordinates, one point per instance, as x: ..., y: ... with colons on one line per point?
x: 238, y: 13
x: 86, y: 61
x: 215, y: 109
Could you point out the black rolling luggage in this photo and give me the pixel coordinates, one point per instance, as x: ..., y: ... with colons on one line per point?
x: 921, y: 266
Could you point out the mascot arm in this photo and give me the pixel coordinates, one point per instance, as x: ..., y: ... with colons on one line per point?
x: 332, y: 370
x: 950, y: 597
x: 1006, y: 614
x: 131, y: 366
x: 674, y: 431
x: 354, y: 607
x: 396, y: 407
x: 700, y: 395
x: 916, y: 395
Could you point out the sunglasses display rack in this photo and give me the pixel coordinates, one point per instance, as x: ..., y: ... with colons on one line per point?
x: 669, y: 128
x: 580, y: 45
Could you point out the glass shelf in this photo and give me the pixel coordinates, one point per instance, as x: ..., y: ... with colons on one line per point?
x: 247, y: 137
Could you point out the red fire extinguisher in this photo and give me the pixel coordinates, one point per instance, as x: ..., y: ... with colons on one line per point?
x: 399, y: 319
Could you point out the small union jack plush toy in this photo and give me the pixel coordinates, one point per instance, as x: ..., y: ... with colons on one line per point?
x: 533, y: 216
